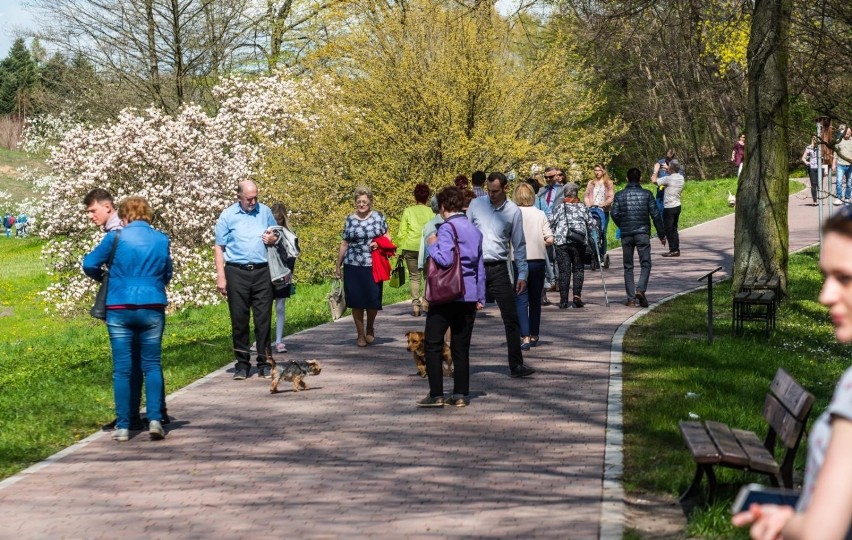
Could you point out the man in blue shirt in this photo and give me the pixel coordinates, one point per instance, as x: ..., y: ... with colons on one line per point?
x: 501, y: 224
x: 242, y: 274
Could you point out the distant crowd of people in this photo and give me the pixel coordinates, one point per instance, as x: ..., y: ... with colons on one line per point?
x: 17, y: 225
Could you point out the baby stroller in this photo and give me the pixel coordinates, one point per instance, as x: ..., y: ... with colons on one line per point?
x: 596, y: 244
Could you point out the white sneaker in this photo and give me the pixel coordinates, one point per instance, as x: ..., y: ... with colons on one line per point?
x: 156, y: 431
x: 837, y: 202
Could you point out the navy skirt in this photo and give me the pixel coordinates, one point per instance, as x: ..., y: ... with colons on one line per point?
x: 362, y: 291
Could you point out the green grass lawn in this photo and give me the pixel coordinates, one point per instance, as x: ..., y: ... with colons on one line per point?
x: 671, y: 371
x: 10, y: 182
x: 702, y: 201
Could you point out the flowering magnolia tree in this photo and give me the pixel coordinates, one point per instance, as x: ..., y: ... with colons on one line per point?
x: 186, y: 166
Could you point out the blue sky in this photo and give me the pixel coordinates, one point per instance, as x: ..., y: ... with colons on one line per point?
x: 12, y: 17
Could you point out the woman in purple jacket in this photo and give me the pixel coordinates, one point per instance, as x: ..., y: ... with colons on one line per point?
x: 459, y: 315
x: 136, y: 302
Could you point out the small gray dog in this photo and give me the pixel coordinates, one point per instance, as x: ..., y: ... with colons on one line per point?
x: 294, y: 371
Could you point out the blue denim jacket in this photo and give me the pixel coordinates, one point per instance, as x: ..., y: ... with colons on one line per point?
x: 141, y: 269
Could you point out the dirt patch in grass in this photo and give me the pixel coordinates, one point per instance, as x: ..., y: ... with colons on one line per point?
x: 6, y: 170
x: 649, y: 515
x: 6, y: 312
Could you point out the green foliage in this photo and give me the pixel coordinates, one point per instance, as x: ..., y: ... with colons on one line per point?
x: 667, y: 357
x: 426, y: 93
x: 17, y: 79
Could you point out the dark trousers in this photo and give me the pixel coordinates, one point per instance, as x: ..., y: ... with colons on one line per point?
x: 570, y: 257
x: 670, y: 219
x: 250, y: 293
x: 459, y: 318
x: 529, y: 302
x: 642, y: 244
x: 814, y: 176
x: 498, y: 286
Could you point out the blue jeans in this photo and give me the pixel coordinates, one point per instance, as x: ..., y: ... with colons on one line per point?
x: 136, y: 337
x: 844, y: 179
x: 529, y: 302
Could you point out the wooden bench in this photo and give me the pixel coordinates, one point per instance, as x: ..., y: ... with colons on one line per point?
x: 764, y: 283
x: 786, y: 409
x: 756, y: 305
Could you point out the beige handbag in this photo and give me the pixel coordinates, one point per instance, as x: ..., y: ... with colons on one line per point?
x: 336, y: 299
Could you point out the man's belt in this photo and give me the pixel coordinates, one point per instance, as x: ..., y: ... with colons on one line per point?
x: 494, y: 263
x: 249, y: 266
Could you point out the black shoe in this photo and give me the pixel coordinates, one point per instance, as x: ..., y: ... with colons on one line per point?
x: 457, y: 400
x: 265, y: 371
x: 136, y: 424
x: 240, y: 374
x: 578, y: 302
x: 166, y: 419
x: 630, y: 303
x: 521, y: 370
x: 606, y: 261
x: 640, y: 296
x: 563, y: 305
x: 675, y: 253
x: 430, y: 401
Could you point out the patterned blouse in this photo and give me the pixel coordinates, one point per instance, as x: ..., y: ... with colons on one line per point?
x: 820, y: 436
x: 359, y: 233
x: 569, y: 216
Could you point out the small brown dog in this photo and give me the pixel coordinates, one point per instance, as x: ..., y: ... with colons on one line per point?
x: 416, y: 344
x: 294, y: 371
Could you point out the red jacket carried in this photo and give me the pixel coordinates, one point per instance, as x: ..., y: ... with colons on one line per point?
x: 381, y: 258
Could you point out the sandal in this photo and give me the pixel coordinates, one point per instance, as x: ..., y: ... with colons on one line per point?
x: 280, y: 347
x: 534, y: 341
x: 525, y: 344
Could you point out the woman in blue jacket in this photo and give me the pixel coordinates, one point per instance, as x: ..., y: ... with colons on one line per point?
x: 136, y: 303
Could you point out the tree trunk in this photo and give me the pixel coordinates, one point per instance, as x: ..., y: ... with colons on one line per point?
x: 153, y: 61
x: 177, y: 47
x: 761, y: 236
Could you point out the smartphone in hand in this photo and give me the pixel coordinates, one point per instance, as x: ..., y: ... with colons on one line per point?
x: 756, y: 493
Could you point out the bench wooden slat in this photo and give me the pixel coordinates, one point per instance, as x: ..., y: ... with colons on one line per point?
x: 699, y: 443
x: 786, y: 426
x: 727, y: 444
x: 791, y: 394
x: 759, y: 458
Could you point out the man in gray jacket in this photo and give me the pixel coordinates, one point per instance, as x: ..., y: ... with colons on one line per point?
x: 630, y: 211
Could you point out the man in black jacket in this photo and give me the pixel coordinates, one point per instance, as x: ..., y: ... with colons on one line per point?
x: 630, y: 211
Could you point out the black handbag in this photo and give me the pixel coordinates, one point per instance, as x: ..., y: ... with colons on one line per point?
x: 444, y: 285
x: 99, y: 310
x: 397, y: 278
x: 575, y: 236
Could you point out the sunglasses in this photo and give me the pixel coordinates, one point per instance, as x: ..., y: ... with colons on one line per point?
x: 551, y: 177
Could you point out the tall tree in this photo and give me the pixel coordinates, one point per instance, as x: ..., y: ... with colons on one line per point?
x: 161, y: 52
x: 761, y: 237
x: 18, y: 79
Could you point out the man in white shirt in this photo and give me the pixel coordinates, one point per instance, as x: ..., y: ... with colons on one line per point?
x: 673, y: 184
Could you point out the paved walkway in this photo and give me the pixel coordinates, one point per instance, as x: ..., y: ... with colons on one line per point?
x: 352, y: 457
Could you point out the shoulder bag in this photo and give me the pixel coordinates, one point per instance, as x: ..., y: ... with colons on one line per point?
x: 444, y: 285
x: 98, y: 310
x: 336, y: 299
x: 397, y: 278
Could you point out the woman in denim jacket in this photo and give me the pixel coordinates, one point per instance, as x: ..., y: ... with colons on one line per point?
x: 136, y: 303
